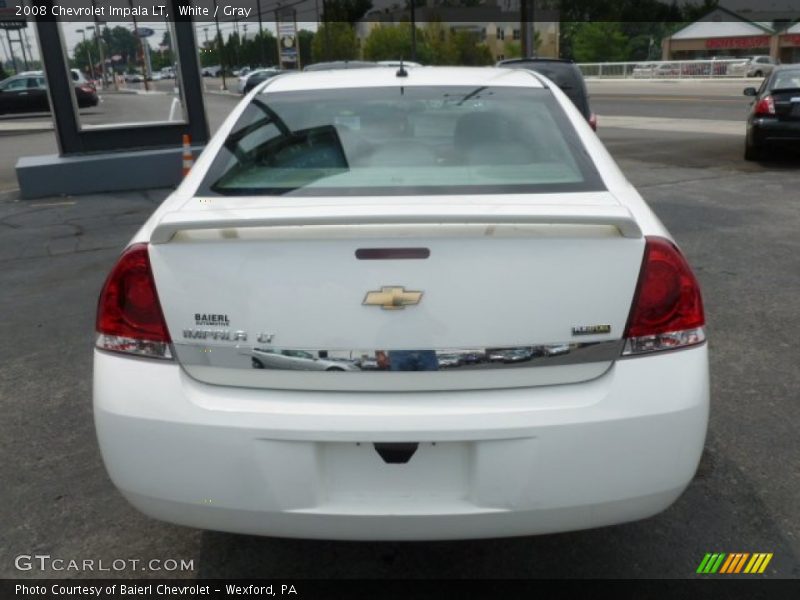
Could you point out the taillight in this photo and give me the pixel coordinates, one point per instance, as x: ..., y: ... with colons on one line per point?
x: 765, y: 106
x: 129, y: 316
x: 593, y: 121
x: 667, y: 310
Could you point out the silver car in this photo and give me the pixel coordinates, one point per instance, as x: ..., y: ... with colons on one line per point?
x: 296, y: 360
x: 754, y: 66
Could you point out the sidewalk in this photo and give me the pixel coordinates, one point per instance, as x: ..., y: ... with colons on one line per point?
x: 709, y: 126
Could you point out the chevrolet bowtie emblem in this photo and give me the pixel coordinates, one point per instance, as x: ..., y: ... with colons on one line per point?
x: 392, y: 298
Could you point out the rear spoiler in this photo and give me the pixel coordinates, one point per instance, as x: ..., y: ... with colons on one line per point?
x: 391, y: 214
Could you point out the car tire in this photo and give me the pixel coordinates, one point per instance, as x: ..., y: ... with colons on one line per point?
x: 758, y: 74
x: 257, y: 364
x: 334, y: 369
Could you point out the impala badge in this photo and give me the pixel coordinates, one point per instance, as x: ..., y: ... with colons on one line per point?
x: 591, y: 329
x: 392, y: 298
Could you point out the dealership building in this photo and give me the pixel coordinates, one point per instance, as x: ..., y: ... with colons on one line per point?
x: 723, y: 33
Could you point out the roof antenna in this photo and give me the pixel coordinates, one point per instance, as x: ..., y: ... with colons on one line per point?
x: 401, y: 72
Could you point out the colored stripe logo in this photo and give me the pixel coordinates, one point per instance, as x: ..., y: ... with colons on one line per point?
x: 734, y: 563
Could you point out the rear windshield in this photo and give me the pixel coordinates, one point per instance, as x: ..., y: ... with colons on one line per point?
x: 400, y: 141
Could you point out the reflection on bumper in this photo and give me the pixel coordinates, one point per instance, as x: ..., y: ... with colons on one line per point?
x: 303, y: 359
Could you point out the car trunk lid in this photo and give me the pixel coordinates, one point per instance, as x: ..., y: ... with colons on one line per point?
x: 243, y: 282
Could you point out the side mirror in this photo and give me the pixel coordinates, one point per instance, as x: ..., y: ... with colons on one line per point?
x: 750, y: 91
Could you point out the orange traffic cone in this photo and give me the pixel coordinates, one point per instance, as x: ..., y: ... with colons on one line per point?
x: 188, y: 161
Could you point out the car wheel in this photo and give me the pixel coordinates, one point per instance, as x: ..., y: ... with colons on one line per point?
x: 334, y: 369
x: 758, y: 74
x: 257, y: 364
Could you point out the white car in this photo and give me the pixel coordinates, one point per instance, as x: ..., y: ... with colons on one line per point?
x: 367, y: 211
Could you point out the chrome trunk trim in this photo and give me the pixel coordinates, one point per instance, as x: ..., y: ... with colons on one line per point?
x: 267, y: 357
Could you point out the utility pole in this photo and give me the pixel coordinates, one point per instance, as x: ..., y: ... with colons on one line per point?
x: 219, y: 47
x: 327, y: 32
x: 261, y: 50
x: 100, y: 51
x: 523, y: 28
x: 141, y: 45
x: 22, y: 47
x: 413, y: 30
x: 27, y: 42
x: 11, y: 52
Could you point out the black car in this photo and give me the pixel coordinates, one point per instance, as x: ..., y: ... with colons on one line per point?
x: 774, y: 118
x: 259, y: 77
x: 565, y: 74
x: 28, y: 93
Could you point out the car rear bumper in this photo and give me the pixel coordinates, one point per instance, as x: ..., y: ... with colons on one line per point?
x: 772, y: 131
x: 510, y: 462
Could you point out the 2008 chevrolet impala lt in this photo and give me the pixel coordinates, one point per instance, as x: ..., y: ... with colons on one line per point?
x: 402, y: 304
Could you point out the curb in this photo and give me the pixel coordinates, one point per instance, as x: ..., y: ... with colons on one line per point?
x: 11, y: 195
x: 25, y: 129
x: 222, y: 93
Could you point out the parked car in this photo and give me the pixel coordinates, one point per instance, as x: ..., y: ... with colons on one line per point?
x: 645, y: 70
x: 28, y: 93
x: 755, y: 66
x: 448, y: 361
x: 134, y: 77
x: 774, y: 119
x: 253, y: 78
x: 517, y: 355
x: 565, y: 74
x: 296, y: 360
x: 300, y: 178
x: 668, y: 70
x: 258, y: 77
x: 213, y: 71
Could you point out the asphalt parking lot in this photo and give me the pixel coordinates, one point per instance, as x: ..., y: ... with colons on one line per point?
x: 737, y: 223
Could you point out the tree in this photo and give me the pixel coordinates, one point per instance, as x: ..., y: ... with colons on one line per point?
x: 513, y: 49
x: 602, y: 41
x: 389, y: 42
x: 304, y: 41
x: 436, y: 36
x: 344, y: 11
x: 120, y: 41
x: 335, y: 40
x: 465, y: 48
x: 81, y: 53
